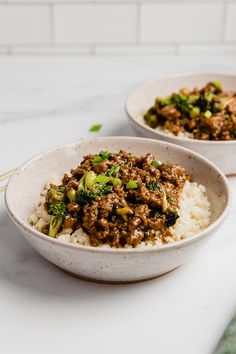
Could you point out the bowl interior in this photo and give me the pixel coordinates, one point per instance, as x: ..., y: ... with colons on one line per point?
x: 143, y: 96
x: 23, y: 190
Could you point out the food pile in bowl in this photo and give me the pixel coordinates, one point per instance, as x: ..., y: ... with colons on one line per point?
x: 208, y: 113
x: 121, y: 200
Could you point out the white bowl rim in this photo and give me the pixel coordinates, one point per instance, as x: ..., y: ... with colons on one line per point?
x: 163, y: 134
x: 178, y: 244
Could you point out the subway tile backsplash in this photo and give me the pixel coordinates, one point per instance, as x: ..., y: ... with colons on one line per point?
x: 168, y: 23
x: 113, y: 27
x: 95, y: 23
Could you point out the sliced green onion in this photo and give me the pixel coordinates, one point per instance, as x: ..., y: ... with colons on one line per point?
x: 132, y: 184
x: 105, y: 155
x: 95, y: 128
x: 97, y: 159
x: 114, y: 169
x: 81, y: 186
x: 208, y: 114
x: 195, y: 112
x: 123, y: 212
x: 193, y: 97
x: 164, y: 101
x: 209, y: 96
x: 217, y: 84
x: 116, y: 181
x: 155, y: 163
x: 72, y: 195
x: 101, y: 179
x: 89, y: 179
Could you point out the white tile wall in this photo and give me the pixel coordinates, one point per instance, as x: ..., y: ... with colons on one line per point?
x: 181, y: 23
x: 95, y: 23
x: 111, y: 27
x: 28, y: 24
x: 231, y: 23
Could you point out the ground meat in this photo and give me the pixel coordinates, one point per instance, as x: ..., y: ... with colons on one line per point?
x: 169, y: 111
x: 69, y: 222
x: 73, y: 207
x: 173, y: 173
x: 120, y: 199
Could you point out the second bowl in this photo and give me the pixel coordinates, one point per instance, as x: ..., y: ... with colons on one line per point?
x: 143, y: 96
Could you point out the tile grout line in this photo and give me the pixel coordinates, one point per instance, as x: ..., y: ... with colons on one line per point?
x: 138, y: 23
x: 224, y: 22
x: 52, y: 23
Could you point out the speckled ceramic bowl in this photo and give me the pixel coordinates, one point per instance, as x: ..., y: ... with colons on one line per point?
x: 143, y: 97
x: 112, y: 265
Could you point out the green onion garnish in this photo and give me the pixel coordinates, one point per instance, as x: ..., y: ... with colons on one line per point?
x: 217, y: 84
x: 114, y: 169
x: 155, y: 163
x: 193, y: 97
x: 105, y: 155
x: 97, y: 159
x: 116, y: 181
x: 95, y: 128
x: 132, y: 184
x: 195, y: 112
x: 101, y: 179
x: 72, y: 195
x: 208, y: 114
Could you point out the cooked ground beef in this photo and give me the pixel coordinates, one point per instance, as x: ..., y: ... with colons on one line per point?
x: 117, y: 199
x: 207, y: 114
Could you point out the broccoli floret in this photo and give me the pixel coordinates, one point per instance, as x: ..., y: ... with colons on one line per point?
x: 86, y: 197
x: 56, y: 194
x: 154, y: 186
x: 151, y: 118
x: 103, y: 190
x: 206, y: 102
x: 57, y: 212
x: 181, y: 103
x: 104, y: 155
x: 171, y: 218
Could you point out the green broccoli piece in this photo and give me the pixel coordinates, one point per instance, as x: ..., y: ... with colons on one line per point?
x: 171, y: 218
x: 56, y: 194
x: 87, y: 197
x: 155, y: 163
x: 57, y: 212
x: 104, y: 190
x: 154, y: 186
x: 103, y: 155
x: 181, y: 103
x: 151, y: 118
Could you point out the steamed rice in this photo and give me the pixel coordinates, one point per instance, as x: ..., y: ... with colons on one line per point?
x: 180, y: 134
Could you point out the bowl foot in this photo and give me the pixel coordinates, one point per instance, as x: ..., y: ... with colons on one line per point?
x: 115, y: 282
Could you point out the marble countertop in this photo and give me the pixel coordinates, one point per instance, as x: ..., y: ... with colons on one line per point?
x: 46, y: 311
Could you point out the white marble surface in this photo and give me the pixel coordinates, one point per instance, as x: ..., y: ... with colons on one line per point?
x: 43, y: 310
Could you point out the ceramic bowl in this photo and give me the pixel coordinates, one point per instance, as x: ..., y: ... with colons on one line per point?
x: 102, y: 264
x: 142, y: 98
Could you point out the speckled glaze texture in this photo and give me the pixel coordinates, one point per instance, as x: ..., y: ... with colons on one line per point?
x: 112, y: 265
x: 143, y: 97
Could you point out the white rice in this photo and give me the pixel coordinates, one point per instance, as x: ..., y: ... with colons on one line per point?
x: 180, y: 134
x: 194, y: 212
